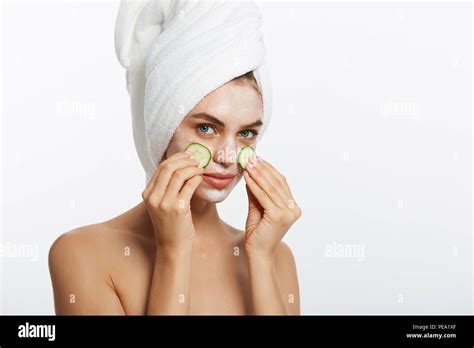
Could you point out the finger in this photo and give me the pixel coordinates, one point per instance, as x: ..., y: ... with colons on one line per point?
x: 152, y: 181
x: 253, y: 201
x: 278, y: 180
x: 174, y: 157
x: 283, y: 185
x: 260, y: 194
x: 178, y: 180
x: 189, y: 188
x: 260, y: 175
x: 166, y: 173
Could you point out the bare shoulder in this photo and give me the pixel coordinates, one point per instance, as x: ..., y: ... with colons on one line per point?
x: 79, y: 244
x: 78, y: 237
x: 284, y: 262
x: 287, y: 277
x: 79, y: 269
x: 283, y: 254
x: 81, y: 253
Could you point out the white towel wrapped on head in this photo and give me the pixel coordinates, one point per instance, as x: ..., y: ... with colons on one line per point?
x: 178, y: 51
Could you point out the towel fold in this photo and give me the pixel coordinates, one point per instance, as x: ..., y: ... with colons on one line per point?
x: 176, y: 52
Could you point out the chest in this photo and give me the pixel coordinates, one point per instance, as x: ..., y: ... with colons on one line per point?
x: 219, y: 285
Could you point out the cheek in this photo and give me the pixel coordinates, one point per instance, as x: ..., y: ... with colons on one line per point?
x: 180, y: 140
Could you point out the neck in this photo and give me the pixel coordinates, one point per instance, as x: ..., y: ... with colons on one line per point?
x: 206, y: 220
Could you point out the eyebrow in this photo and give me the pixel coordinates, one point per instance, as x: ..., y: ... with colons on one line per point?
x: 210, y: 118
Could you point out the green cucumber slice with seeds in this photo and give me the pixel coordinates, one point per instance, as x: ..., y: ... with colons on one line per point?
x: 201, y: 153
x: 245, y: 153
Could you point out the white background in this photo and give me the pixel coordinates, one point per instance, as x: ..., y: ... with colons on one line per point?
x: 372, y: 127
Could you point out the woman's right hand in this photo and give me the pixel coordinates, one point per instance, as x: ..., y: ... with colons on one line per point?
x: 167, y: 198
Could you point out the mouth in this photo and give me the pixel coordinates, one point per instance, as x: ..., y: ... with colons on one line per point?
x: 218, y: 180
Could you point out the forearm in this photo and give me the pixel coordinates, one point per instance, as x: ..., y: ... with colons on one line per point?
x: 266, y: 296
x: 169, y: 292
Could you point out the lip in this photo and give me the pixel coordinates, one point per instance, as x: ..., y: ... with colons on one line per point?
x: 220, y: 175
x: 218, y: 180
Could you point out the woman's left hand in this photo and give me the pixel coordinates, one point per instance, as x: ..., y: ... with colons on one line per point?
x: 272, y: 209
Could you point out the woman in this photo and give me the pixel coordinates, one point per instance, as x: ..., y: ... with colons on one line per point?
x: 172, y: 254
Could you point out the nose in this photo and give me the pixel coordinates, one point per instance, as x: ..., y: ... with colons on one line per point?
x: 225, y: 153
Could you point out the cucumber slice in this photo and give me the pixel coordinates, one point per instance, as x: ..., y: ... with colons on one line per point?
x: 201, y: 153
x: 245, y: 153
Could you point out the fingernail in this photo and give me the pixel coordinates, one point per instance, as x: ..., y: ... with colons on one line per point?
x: 252, y: 161
x: 249, y: 166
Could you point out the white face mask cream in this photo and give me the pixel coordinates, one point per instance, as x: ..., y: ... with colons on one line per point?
x: 206, y: 190
x: 212, y: 194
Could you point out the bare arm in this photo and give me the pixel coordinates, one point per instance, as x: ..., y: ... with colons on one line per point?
x: 167, y: 198
x: 169, y: 292
x: 272, y: 211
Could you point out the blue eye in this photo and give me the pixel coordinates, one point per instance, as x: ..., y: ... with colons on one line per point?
x: 204, y: 129
x: 248, y: 133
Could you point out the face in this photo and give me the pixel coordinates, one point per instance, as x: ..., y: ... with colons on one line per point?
x: 225, y: 121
